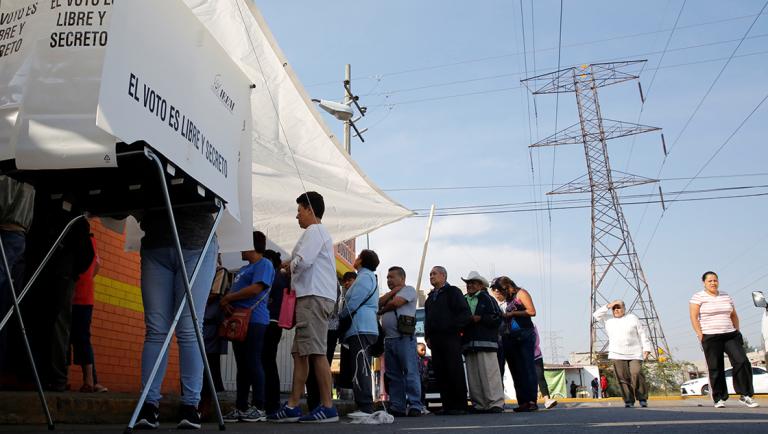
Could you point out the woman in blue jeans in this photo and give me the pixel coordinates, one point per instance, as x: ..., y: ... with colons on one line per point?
x: 162, y: 289
x: 519, y: 342
x: 250, y: 290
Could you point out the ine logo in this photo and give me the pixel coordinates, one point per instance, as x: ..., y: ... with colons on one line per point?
x: 218, y: 89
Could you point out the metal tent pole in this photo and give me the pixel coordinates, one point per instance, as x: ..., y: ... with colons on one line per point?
x: 188, y: 300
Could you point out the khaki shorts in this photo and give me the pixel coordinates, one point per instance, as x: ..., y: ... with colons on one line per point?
x: 312, y: 315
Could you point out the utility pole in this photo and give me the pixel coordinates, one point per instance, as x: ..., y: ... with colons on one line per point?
x: 347, y: 101
x: 613, y: 251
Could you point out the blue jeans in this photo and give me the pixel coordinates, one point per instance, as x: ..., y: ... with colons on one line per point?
x: 402, y: 373
x: 250, y: 371
x: 162, y: 290
x: 519, y: 347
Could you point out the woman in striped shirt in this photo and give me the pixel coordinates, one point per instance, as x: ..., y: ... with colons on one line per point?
x: 716, y: 324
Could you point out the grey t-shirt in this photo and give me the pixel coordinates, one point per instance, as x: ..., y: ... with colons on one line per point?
x: 389, y: 320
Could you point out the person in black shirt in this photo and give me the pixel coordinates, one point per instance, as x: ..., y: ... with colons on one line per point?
x: 446, y: 314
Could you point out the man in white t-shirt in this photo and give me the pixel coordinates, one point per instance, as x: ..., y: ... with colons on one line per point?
x: 400, y: 359
x: 313, y: 277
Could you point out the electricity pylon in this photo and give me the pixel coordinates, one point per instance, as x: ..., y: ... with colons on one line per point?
x: 613, y: 251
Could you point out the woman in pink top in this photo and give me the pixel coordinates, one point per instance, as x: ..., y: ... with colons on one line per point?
x: 716, y: 324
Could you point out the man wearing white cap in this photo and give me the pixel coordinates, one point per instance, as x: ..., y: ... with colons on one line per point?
x: 480, y: 343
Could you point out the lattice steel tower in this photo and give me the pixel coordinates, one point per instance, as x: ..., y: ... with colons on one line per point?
x: 613, y: 251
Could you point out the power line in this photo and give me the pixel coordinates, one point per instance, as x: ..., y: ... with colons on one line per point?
x: 540, y: 208
x: 471, y: 187
x: 577, y: 44
x: 504, y: 89
x: 717, y: 77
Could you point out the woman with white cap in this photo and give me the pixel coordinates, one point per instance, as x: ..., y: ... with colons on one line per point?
x: 628, y: 346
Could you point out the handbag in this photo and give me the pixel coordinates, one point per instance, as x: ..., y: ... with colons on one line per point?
x: 235, y: 327
x: 287, y: 319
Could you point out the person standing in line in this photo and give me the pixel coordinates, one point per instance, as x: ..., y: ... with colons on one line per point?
x: 313, y: 394
x: 501, y: 299
x: 80, y: 335
x: 519, y: 342
x: 538, y: 359
x: 424, y: 362
x: 604, y: 386
x: 574, y: 389
x: 273, y: 334
x: 628, y: 346
x: 446, y: 314
x: 400, y: 358
x: 250, y: 290
x: 17, y: 201
x: 480, y: 345
x: 362, y: 305
x: 162, y: 290
x: 595, y: 383
x: 714, y: 319
x: 313, y: 277
x: 344, y: 378
x: 215, y: 345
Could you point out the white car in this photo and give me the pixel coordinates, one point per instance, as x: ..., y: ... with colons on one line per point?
x: 700, y: 386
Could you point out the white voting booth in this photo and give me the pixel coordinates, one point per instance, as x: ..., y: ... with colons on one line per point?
x: 142, y: 104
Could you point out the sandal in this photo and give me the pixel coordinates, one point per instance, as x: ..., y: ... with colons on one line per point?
x: 98, y: 388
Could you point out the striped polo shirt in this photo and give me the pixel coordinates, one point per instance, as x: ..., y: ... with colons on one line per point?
x: 715, y: 312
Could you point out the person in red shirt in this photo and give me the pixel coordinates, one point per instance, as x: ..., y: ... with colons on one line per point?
x: 604, y: 386
x: 80, y: 335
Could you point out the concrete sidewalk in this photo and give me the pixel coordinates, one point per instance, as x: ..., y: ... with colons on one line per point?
x: 23, y: 408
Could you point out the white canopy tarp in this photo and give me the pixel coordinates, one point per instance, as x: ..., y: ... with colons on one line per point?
x: 291, y: 143
x: 293, y: 150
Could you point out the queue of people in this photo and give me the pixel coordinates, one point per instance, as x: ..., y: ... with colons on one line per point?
x: 473, y: 336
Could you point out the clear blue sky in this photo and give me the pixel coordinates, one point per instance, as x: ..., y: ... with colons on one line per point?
x: 441, y: 80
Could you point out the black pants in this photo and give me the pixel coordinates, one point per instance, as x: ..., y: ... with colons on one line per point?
x: 449, y: 371
x: 362, y: 384
x: 269, y: 360
x: 733, y: 345
x: 543, y: 387
x: 313, y: 392
x: 250, y: 372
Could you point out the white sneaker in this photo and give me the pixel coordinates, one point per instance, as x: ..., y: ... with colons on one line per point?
x: 749, y: 402
x: 720, y: 404
x: 550, y: 403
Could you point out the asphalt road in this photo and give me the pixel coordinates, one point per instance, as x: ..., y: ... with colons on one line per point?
x: 679, y: 416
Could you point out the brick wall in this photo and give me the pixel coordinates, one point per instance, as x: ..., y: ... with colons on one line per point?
x: 117, y: 331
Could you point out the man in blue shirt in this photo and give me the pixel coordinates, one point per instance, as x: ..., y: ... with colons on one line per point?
x: 250, y: 290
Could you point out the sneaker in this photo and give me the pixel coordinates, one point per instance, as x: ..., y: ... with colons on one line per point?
x: 190, y: 418
x: 234, y: 416
x: 321, y: 414
x: 644, y: 404
x: 550, y: 403
x: 720, y: 404
x: 148, y: 417
x: 254, y: 415
x: 414, y: 412
x: 629, y: 405
x: 396, y: 413
x: 749, y: 402
x: 285, y: 414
